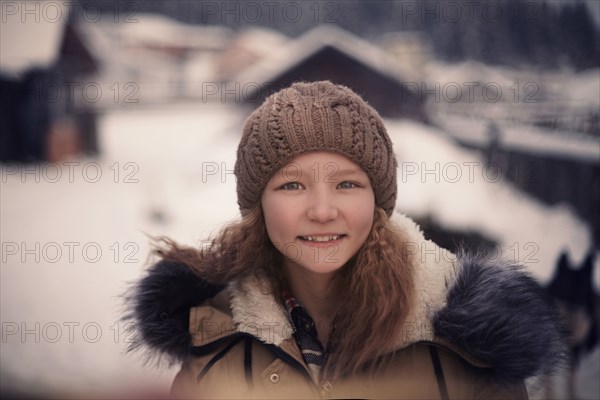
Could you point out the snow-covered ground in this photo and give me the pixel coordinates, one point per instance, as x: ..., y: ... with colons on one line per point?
x: 60, y: 304
x: 71, y: 244
x: 459, y: 190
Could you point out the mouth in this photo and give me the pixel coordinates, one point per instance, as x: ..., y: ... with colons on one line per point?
x: 322, y: 238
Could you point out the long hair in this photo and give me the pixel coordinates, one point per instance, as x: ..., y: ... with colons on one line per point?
x: 240, y: 249
x: 376, y: 294
x: 375, y: 288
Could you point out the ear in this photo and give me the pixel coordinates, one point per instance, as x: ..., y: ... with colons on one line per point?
x: 587, y: 265
x: 562, y: 282
x: 563, y: 262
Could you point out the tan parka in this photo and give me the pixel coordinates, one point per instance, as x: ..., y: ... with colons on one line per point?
x: 478, y: 330
x: 279, y: 372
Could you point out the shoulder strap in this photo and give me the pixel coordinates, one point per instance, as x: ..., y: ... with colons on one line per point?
x: 218, y: 356
x: 247, y: 358
x: 439, y: 373
x: 248, y: 361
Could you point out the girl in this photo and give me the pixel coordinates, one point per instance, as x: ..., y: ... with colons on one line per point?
x: 321, y: 291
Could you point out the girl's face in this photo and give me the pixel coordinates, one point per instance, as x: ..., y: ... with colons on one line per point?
x: 318, y: 211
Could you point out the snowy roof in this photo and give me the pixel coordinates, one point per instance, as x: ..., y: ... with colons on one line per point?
x: 248, y: 47
x: 310, y: 43
x: 31, y: 39
x: 524, y: 138
x: 155, y: 30
x: 263, y: 41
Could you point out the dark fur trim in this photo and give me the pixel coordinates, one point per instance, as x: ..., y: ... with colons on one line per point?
x: 501, y: 315
x: 159, y: 307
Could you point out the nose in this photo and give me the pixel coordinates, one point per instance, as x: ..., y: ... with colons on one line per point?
x: 322, y: 207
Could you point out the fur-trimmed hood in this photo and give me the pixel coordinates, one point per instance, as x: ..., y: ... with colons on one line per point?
x: 486, y: 310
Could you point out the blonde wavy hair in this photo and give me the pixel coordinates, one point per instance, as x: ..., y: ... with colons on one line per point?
x: 375, y: 288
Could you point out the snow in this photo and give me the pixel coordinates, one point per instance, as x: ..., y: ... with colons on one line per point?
x: 30, y: 34
x: 515, y: 97
x: 175, y: 178
x: 149, y: 29
x: 583, y: 89
x: 572, y: 89
x: 526, y: 138
x: 167, y: 151
x: 459, y: 190
x: 260, y: 40
x: 152, y: 58
x: 310, y: 43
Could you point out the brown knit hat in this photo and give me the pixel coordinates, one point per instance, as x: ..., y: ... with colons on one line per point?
x: 316, y: 116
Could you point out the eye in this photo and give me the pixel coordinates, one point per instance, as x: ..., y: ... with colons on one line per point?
x: 347, y: 185
x: 291, y: 186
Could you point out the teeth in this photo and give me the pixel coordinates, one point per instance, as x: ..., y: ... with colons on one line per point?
x: 320, y: 238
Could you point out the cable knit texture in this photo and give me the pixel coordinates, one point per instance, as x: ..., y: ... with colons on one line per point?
x: 317, y: 116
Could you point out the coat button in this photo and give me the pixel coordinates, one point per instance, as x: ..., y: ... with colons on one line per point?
x: 274, y: 378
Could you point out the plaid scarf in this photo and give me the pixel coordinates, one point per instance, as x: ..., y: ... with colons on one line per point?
x: 305, y: 333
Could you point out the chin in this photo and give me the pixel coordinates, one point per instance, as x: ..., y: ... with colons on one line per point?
x: 323, y: 267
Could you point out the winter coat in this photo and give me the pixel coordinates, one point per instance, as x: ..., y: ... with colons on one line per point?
x: 478, y: 330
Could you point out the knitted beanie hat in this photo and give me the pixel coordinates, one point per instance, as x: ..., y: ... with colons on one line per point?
x: 316, y: 116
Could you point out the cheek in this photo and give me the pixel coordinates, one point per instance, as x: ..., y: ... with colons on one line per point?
x: 366, y: 225
x: 277, y: 220
x: 364, y: 216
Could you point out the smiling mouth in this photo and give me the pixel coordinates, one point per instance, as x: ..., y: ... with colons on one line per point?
x: 321, y: 239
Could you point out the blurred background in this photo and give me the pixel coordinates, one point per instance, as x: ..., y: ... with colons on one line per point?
x: 120, y: 120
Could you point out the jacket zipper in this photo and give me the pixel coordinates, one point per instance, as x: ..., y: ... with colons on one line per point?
x: 296, y: 365
x: 207, y: 348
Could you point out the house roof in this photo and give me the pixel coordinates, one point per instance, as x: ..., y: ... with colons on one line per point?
x: 314, y: 41
x: 31, y: 39
x: 251, y: 45
x: 159, y: 31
